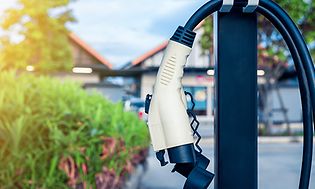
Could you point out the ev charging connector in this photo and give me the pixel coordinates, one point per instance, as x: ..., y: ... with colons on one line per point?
x: 168, y: 120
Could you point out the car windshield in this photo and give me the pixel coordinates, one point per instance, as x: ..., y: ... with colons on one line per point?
x: 138, y: 104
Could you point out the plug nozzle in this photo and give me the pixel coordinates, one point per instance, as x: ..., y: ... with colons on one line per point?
x: 182, y: 154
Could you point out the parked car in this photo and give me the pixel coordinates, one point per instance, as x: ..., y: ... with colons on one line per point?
x: 136, y: 105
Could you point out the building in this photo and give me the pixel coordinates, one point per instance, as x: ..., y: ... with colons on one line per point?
x: 90, y: 70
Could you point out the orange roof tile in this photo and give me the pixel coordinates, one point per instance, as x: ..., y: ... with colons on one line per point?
x: 150, y: 53
x: 157, y: 49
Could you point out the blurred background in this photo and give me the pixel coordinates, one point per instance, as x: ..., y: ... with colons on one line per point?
x: 74, y: 76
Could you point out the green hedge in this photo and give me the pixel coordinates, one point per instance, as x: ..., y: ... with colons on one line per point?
x: 55, y: 135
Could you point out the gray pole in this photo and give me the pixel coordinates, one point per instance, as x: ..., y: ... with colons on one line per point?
x: 235, y: 36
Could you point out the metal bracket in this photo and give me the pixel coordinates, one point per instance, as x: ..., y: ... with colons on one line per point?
x: 227, y: 5
x: 147, y: 103
x: 251, y: 6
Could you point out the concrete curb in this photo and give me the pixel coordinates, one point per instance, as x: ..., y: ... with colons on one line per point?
x: 133, y: 181
x: 264, y: 140
x: 293, y: 139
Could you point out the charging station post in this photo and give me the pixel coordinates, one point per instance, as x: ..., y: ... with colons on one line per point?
x: 235, y: 42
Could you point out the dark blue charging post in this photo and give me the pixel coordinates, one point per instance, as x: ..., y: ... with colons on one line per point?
x: 235, y: 36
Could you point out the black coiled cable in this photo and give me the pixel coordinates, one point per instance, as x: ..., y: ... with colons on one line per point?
x: 306, y: 103
x: 303, y: 63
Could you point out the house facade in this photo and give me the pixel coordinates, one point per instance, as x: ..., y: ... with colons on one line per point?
x: 89, y: 69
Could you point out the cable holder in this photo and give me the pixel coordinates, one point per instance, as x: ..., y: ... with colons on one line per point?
x: 251, y: 6
x: 227, y: 5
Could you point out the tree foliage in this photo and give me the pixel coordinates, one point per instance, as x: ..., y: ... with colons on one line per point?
x: 301, y: 11
x: 36, y: 35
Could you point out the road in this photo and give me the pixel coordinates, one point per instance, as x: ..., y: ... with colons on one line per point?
x: 279, y: 168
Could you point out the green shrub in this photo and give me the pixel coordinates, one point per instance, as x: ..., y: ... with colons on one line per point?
x: 56, y: 135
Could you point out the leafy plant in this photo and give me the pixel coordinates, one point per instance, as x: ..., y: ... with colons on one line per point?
x: 56, y: 135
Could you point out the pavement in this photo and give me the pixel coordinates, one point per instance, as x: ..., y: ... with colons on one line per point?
x: 279, y: 167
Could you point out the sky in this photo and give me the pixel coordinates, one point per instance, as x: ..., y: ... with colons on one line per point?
x: 122, y: 30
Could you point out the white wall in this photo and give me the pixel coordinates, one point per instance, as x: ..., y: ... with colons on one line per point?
x: 79, y: 78
x: 292, y: 102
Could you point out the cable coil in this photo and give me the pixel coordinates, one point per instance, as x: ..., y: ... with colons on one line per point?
x: 303, y: 64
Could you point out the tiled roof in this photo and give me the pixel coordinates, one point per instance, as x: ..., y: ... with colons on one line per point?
x: 149, y: 53
x: 156, y: 50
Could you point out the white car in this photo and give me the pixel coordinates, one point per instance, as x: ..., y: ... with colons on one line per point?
x: 136, y: 105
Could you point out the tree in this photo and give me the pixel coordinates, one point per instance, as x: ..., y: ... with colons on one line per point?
x: 301, y: 11
x: 273, y: 52
x: 37, y: 36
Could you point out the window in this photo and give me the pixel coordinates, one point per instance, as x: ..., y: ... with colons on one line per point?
x: 200, y: 97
